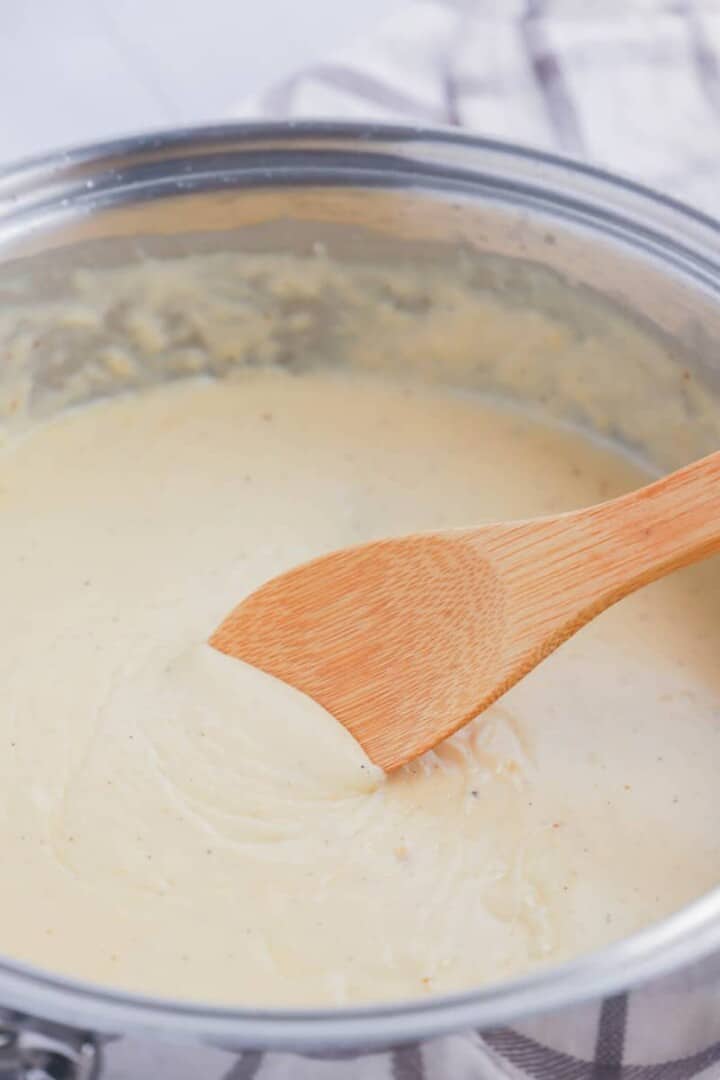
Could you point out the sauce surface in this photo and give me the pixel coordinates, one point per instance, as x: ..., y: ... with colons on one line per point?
x: 175, y: 822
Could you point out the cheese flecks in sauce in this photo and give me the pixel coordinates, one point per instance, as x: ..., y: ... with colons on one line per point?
x: 176, y: 822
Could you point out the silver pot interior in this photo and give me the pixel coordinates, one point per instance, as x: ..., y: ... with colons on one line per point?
x: 90, y: 317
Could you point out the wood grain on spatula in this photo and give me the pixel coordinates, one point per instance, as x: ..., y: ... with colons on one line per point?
x: 405, y: 640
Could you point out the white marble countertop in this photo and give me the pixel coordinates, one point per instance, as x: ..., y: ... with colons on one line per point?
x: 78, y: 70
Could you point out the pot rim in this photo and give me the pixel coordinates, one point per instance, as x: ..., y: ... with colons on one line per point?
x: 48, y: 186
x: 136, y: 145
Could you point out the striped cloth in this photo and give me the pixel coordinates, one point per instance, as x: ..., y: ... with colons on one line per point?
x: 633, y: 85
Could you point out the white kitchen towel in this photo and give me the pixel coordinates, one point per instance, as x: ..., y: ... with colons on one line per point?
x: 633, y: 85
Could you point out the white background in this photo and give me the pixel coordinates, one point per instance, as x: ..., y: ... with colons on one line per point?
x: 78, y: 70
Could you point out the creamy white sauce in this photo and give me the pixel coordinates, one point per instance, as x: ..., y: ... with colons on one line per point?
x: 173, y: 821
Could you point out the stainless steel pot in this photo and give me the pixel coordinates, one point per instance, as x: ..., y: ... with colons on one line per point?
x: 594, y: 243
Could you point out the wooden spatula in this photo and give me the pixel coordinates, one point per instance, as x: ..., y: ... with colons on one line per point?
x: 405, y: 640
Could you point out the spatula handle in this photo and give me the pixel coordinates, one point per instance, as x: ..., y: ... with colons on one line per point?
x: 650, y: 532
x: 561, y: 572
